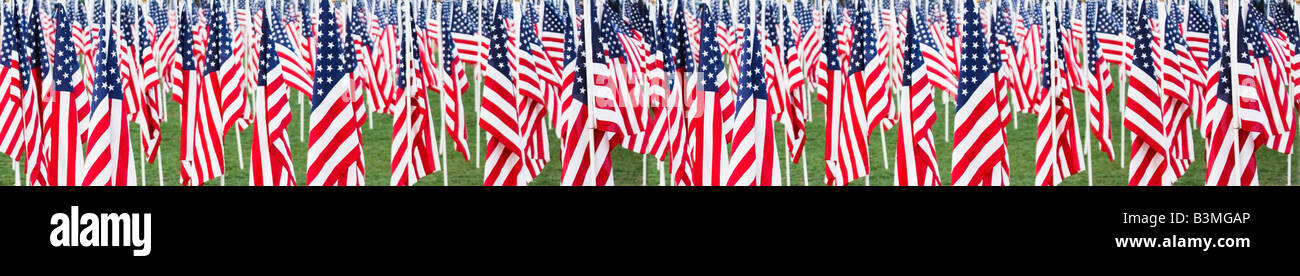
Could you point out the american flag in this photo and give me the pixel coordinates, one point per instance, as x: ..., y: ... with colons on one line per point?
x: 682, y: 64
x: 832, y: 80
x: 727, y: 35
x: 149, y: 113
x: 33, y: 71
x: 414, y: 154
x: 1177, y: 101
x: 710, y: 165
x: 129, y: 62
x: 454, y: 84
x: 753, y: 150
x: 767, y: 29
x: 809, y: 44
x: 979, y: 145
x: 915, y: 159
x: 1280, y: 105
x: 63, y: 153
x: 386, y: 49
x: 428, y: 34
x: 302, y: 31
x: 1005, y: 78
x: 867, y: 101
x: 1286, y: 24
x: 1031, y: 58
x: 334, y: 143
x: 1099, y: 81
x: 1111, y: 39
x: 295, y: 62
x: 665, y: 103
x: 1073, y: 33
x: 110, y: 160
x: 552, y: 36
x: 1057, y: 151
x: 528, y: 55
x: 12, y: 139
x: 368, y: 54
x: 272, y: 158
x: 85, y: 36
x: 464, y: 30
x: 1149, y: 166
x: 1218, y: 121
x: 579, y: 160
x: 165, y: 40
x: 946, y: 78
x: 1249, y: 56
x: 225, y: 70
x: 203, y: 124
x: 827, y: 54
x: 613, y: 106
x: 499, y: 110
x: 693, y: 28
x: 793, y: 114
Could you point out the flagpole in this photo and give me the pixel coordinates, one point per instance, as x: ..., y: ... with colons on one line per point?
x: 1234, y: 15
x: 1087, y: 141
x: 1123, y: 95
x: 302, y: 127
x: 143, y: 169
x: 587, y: 126
x: 478, y: 98
x: 18, y: 181
x: 239, y: 148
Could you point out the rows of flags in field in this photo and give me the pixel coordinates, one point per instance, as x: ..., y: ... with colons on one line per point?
x: 697, y: 84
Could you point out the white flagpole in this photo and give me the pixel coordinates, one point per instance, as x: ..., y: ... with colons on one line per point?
x: 586, y: 48
x: 1123, y: 96
x: 160, y: 170
x: 18, y: 181
x: 1087, y: 141
x: 143, y: 178
x: 239, y: 148
x: 302, y: 127
x: 1234, y: 15
x: 884, y: 152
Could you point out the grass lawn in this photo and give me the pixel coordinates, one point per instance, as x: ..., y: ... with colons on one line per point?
x: 628, y: 166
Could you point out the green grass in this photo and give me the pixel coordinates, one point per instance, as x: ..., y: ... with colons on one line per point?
x: 628, y: 166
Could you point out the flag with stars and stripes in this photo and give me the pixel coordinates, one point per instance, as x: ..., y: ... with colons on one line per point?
x: 1057, y: 151
x: 1223, y: 149
x: 867, y: 102
x: 12, y: 125
x: 454, y: 84
x: 224, y: 70
x: 202, y: 157
x: 710, y: 159
x: 334, y: 142
x: 109, y: 158
x: 359, y: 35
x: 35, y: 73
x: 586, y: 157
x: 794, y: 113
x: 63, y: 151
x: 414, y: 154
x: 272, y: 158
x: 295, y: 62
x: 1099, y: 79
x: 753, y: 150
x: 1148, y: 161
x: 979, y: 144
x: 149, y: 112
x: 499, y: 115
x: 915, y: 157
x: 1178, y: 101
